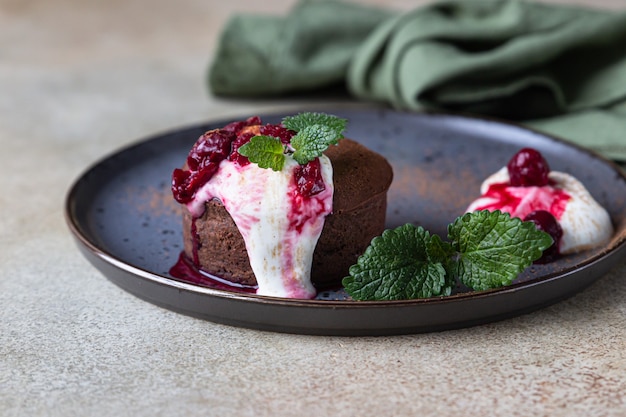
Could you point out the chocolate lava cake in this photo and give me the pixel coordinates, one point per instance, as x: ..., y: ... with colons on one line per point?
x: 361, y: 177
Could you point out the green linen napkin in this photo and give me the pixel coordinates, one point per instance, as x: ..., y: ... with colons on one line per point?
x: 560, y: 69
x: 309, y: 49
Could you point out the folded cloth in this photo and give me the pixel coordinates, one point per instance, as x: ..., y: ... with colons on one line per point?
x: 560, y: 69
x: 309, y: 49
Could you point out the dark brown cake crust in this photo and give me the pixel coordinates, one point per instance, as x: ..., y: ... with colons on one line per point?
x: 361, y: 179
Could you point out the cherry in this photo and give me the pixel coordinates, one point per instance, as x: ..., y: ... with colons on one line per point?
x: 278, y: 131
x: 235, y: 156
x: 186, y: 183
x: 528, y: 168
x: 202, y: 162
x: 213, y: 146
x: 180, y: 185
x: 309, y: 179
x: 546, y: 222
x: 235, y: 127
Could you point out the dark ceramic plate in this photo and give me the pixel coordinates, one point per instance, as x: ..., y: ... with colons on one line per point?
x: 126, y: 223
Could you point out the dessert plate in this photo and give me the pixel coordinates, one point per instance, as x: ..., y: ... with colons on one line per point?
x: 128, y: 226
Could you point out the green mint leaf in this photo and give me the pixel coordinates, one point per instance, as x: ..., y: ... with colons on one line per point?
x: 302, y: 120
x: 494, y: 248
x: 316, y: 132
x: 444, y: 252
x: 312, y: 141
x: 265, y: 151
x: 402, y: 263
x: 487, y: 250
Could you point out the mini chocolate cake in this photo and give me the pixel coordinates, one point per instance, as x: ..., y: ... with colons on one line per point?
x: 361, y: 179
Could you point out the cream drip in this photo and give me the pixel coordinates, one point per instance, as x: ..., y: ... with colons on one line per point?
x: 585, y: 223
x: 266, y: 206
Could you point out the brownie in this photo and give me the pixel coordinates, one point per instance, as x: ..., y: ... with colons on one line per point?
x: 361, y: 179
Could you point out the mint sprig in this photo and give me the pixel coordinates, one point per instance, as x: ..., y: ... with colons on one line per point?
x: 487, y: 250
x: 315, y: 132
x: 303, y: 120
x: 399, y: 264
x: 265, y: 151
x: 494, y: 248
x: 312, y: 141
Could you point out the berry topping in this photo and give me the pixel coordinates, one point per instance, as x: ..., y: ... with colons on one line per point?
x: 186, y: 183
x: 241, y: 140
x: 202, y: 162
x: 206, y: 154
x: 546, y: 222
x: 318, y: 132
x: 528, y: 168
x: 235, y: 127
x: 279, y: 132
x: 214, y: 145
x: 309, y: 179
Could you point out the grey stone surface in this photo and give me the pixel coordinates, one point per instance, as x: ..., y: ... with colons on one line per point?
x: 78, y: 80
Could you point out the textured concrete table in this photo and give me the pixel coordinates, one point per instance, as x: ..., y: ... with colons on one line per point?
x: 78, y: 80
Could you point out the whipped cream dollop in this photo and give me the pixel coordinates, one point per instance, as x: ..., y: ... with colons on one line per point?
x: 585, y: 223
x: 279, y: 225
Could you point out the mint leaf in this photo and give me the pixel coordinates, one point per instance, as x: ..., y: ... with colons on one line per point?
x: 302, y: 120
x: 403, y: 263
x: 443, y: 251
x: 265, y: 151
x: 312, y: 141
x: 315, y: 133
x: 494, y: 248
x: 487, y: 250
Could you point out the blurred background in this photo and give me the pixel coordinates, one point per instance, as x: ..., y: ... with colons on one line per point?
x: 79, y: 80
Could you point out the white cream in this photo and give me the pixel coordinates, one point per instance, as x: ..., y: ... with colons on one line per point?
x: 585, y: 223
x: 264, y: 205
